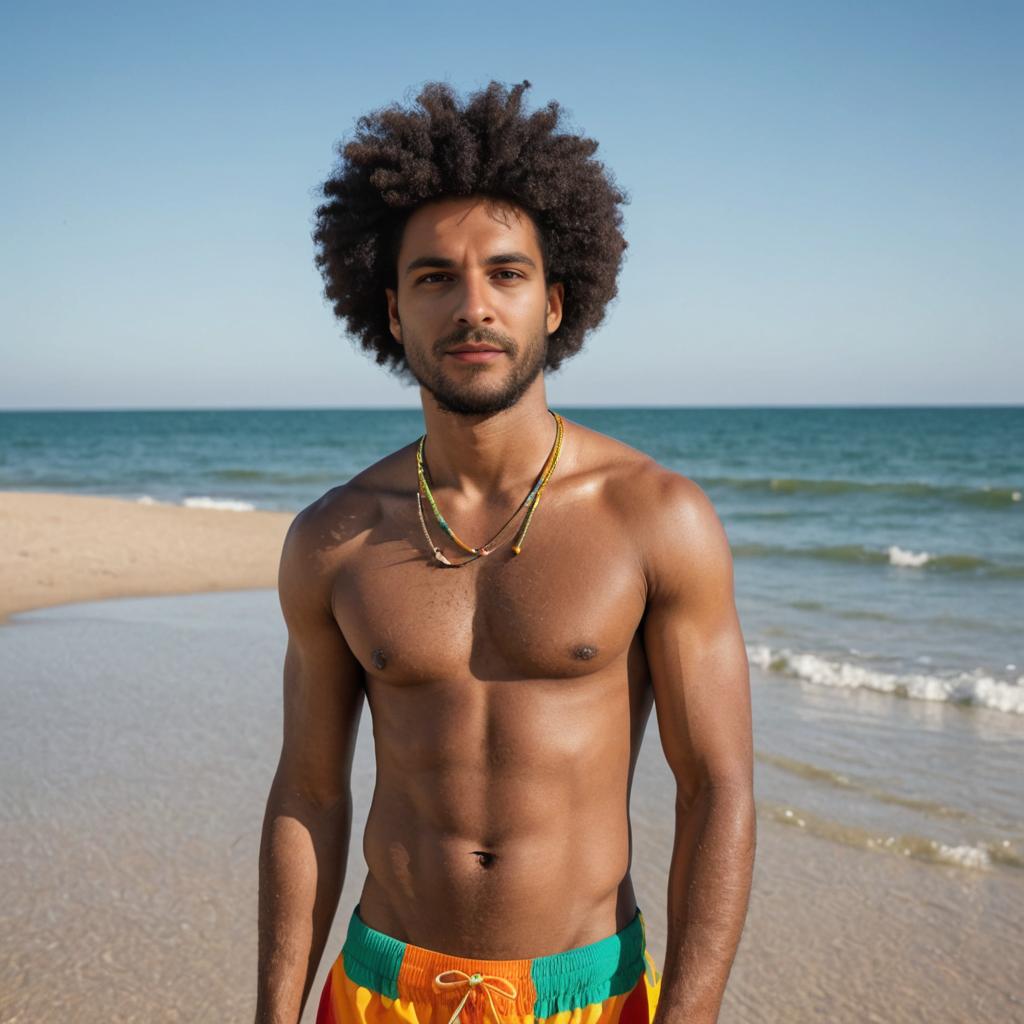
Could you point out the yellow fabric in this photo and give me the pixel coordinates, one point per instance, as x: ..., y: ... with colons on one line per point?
x: 345, y: 1002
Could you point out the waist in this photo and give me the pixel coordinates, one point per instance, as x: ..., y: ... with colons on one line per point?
x: 490, y: 893
x: 541, y: 985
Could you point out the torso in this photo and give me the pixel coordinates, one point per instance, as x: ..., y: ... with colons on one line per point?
x: 509, y: 699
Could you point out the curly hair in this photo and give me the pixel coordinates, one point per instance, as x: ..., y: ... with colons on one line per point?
x: 401, y: 158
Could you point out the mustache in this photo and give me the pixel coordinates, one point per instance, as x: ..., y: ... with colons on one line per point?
x: 465, y: 334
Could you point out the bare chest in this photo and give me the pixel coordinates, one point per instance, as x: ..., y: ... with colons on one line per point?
x: 570, y: 604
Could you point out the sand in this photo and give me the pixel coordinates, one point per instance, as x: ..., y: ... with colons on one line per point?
x: 59, y: 548
x: 141, y: 740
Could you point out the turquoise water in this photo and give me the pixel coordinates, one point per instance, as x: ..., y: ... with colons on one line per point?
x: 875, y: 548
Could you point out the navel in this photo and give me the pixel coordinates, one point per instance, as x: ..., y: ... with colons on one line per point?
x: 380, y: 659
x: 584, y: 652
x: 484, y: 859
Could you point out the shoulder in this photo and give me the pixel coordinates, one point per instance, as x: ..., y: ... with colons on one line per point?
x: 640, y: 488
x: 685, y: 549
x: 329, y: 530
x: 679, y: 539
x: 344, y: 514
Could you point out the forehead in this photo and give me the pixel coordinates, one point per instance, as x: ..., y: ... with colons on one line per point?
x: 450, y: 226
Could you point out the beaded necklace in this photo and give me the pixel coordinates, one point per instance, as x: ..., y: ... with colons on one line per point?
x: 532, y: 500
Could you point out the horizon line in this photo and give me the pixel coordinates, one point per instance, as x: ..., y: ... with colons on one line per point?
x: 560, y: 405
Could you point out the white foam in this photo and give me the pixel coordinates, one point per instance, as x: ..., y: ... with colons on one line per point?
x: 1015, y: 496
x: 147, y: 500
x: 897, y: 556
x: 965, y: 856
x: 225, y: 504
x: 974, y: 687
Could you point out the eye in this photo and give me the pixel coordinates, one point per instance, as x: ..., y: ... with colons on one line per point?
x: 513, y: 274
x: 432, y: 278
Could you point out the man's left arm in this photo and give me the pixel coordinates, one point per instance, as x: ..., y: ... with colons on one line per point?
x: 701, y: 684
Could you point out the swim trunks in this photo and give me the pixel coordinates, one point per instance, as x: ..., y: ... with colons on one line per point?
x: 378, y: 979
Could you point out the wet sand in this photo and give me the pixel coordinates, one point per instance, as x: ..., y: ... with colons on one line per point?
x: 137, y: 744
x: 67, y: 547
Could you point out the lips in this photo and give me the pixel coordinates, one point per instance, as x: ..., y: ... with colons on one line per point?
x: 476, y: 355
x: 474, y: 348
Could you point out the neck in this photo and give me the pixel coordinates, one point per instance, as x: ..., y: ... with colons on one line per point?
x: 483, y: 456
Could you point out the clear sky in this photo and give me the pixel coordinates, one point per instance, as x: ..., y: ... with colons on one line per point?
x: 826, y: 202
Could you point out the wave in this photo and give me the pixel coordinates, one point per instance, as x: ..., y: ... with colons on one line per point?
x: 977, y: 855
x: 859, y: 554
x: 815, y: 773
x: 975, y: 688
x: 226, y: 504
x: 844, y: 613
x: 275, y: 477
x: 984, y: 496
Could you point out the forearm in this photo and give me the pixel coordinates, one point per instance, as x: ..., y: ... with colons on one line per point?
x: 303, y: 853
x: 708, y: 893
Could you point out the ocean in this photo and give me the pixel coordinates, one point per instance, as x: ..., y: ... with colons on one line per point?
x: 878, y: 551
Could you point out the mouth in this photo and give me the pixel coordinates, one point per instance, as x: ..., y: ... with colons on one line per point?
x: 475, y: 353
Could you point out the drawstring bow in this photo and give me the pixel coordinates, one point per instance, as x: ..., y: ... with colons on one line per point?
x: 492, y: 984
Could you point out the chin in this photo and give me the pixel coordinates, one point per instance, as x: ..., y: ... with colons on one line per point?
x: 470, y: 407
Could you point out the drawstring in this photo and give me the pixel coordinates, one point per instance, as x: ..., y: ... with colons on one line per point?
x: 653, y: 977
x: 489, y: 982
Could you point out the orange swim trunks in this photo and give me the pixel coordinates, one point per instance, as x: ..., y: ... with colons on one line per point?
x: 378, y: 979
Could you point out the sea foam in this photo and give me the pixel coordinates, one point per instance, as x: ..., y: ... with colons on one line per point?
x: 897, y: 556
x: 979, y: 855
x: 226, y: 504
x: 974, y: 688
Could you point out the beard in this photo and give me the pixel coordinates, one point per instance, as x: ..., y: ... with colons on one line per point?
x: 472, y: 394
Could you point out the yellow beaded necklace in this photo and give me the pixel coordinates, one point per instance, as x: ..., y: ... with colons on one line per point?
x: 532, y: 500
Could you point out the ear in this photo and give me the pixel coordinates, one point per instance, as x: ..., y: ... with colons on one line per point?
x: 556, y: 296
x: 394, y: 323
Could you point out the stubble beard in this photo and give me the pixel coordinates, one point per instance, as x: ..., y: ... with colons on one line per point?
x: 466, y: 397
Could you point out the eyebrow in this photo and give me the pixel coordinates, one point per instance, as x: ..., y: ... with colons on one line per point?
x: 498, y: 259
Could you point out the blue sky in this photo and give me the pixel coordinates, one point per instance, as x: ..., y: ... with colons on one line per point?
x: 825, y: 197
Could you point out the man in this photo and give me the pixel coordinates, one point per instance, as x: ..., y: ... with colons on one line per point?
x: 509, y: 648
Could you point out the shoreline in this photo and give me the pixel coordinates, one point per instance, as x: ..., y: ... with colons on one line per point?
x: 67, y: 548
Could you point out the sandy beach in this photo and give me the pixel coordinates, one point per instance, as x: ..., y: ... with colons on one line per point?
x: 59, y: 548
x: 141, y: 736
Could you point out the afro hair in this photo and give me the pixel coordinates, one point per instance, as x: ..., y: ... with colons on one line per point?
x: 401, y: 158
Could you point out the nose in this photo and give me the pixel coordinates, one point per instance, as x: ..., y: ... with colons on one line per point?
x: 473, y: 307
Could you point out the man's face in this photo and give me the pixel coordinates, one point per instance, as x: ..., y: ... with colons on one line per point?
x: 470, y: 273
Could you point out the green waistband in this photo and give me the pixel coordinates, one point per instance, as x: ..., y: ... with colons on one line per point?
x: 563, y: 981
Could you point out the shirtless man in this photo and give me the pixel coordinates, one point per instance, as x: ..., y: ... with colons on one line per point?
x: 508, y: 691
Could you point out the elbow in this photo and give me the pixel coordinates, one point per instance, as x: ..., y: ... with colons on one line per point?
x: 729, y: 800
x: 732, y: 803
x: 734, y: 789
x: 298, y: 794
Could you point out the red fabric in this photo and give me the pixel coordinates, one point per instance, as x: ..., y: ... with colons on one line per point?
x: 636, y: 1010
x: 325, y: 1011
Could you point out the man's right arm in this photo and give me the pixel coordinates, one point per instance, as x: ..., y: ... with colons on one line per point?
x: 307, y: 827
